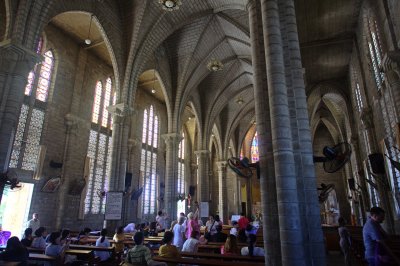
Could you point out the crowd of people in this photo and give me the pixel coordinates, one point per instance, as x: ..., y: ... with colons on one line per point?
x: 182, y: 235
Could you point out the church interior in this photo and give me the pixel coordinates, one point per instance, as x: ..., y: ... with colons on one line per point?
x: 284, y: 110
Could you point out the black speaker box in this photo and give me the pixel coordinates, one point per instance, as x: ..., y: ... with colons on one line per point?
x: 377, y: 163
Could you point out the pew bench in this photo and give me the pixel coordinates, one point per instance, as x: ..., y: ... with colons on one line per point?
x: 210, y: 262
x: 203, y: 255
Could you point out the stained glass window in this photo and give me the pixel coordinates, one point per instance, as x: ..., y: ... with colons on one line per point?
x: 99, y: 149
x: 359, y: 101
x: 375, y: 52
x: 254, y: 149
x: 26, y: 144
x: 148, y: 162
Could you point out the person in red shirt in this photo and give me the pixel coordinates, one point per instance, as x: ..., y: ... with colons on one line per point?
x: 243, y: 221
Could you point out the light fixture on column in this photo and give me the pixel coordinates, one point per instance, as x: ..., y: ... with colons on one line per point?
x: 215, y: 65
x: 170, y: 5
x: 87, y: 40
x: 240, y: 101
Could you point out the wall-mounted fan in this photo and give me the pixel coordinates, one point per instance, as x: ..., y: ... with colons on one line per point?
x: 9, y: 180
x: 334, y: 157
x: 243, y: 167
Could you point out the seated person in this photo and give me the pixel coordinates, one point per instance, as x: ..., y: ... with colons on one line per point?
x: 139, y: 254
x: 130, y: 228
x: 119, y: 239
x: 230, y: 247
x: 252, y: 250
x: 65, y: 234
x: 15, y: 252
x: 39, y: 241
x: 102, y: 241
x: 83, y: 236
x: 234, y: 230
x: 28, y: 238
x: 153, y: 229
x: 191, y: 244
x: 168, y: 250
x: 55, y: 249
x: 251, y: 230
x: 219, y: 236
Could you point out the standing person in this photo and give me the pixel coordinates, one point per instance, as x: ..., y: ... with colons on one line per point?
x: 376, y: 250
x: 345, y: 241
x: 39, y: 241
x: 103, y: 242
x: 130, y: 228
x: 34, y: 223
x: 160, y: 219
x: 179, y: 232
x: 243, y: 222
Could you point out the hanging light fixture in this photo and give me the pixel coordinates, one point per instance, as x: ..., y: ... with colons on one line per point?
x: 87, y: 40
x: 215, y: 65
x: 170, y: 5
x: 153, y: 90
x: 240, y: 101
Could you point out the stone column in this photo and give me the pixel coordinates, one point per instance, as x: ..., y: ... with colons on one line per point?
x: 390, y: 63
x: 267, y: 174
x: 15, y: 64
x: 301, y: 137
x: 222, y: 188
x: 290, y: 228
x: 121, y: 114
x: 203, y: 177
x: 171, y: 174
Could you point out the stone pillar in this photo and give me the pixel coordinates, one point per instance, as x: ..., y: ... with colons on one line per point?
x: 301, y: 137
x: 171, y: 174
x: 267, y: 174
x: 121, y: 114
x: 390, y: 63
x: 203, y: 177
x: 222, y: 188
x: 290, y: 228
x: 15, y: 64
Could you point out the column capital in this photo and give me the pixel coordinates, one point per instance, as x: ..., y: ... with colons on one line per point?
x: 172, y: 138
x: 222, y: 165
x: 121, y: 110
x: 134, y: 142
x: 250, y: 4
x: 12, y: 54
x: 200, y: 152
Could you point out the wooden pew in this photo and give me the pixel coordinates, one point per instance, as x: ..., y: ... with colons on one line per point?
x: 210, y: 262
x: 223, y: 257
x: 94, y: 248
x: 41, y: 257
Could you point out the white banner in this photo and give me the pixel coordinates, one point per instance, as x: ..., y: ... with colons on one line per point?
x: 114, y: 205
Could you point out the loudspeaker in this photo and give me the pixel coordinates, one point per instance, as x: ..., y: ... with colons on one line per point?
x: 128, y: 180
x: 352, y: 183
x: 377, y: 163
x: 192, y: 190
x: 54, y: 164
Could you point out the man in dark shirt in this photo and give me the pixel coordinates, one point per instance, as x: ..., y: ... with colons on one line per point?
x: 219, y: 236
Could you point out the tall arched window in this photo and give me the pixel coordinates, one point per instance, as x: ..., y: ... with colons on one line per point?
x: 148, y: 162
x: 254, y: 149
x: 375, y: 51
x: 99, y: 149
x: 359, y: 101
x: 26, y: 148
x: 181, y: 174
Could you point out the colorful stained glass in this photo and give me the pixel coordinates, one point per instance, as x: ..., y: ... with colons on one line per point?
x: 254, y: 149
x: 42, y: 90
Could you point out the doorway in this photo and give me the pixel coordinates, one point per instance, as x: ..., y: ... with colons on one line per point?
x: 14, y: 209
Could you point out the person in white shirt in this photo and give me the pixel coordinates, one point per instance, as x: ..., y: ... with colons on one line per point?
x: 130, y: 228
x: 103, y: 242
x: 191, y: 244
x: 33, y: 223
x: 234, y: 230
x: 251, y: 250
x: 179, y: 231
